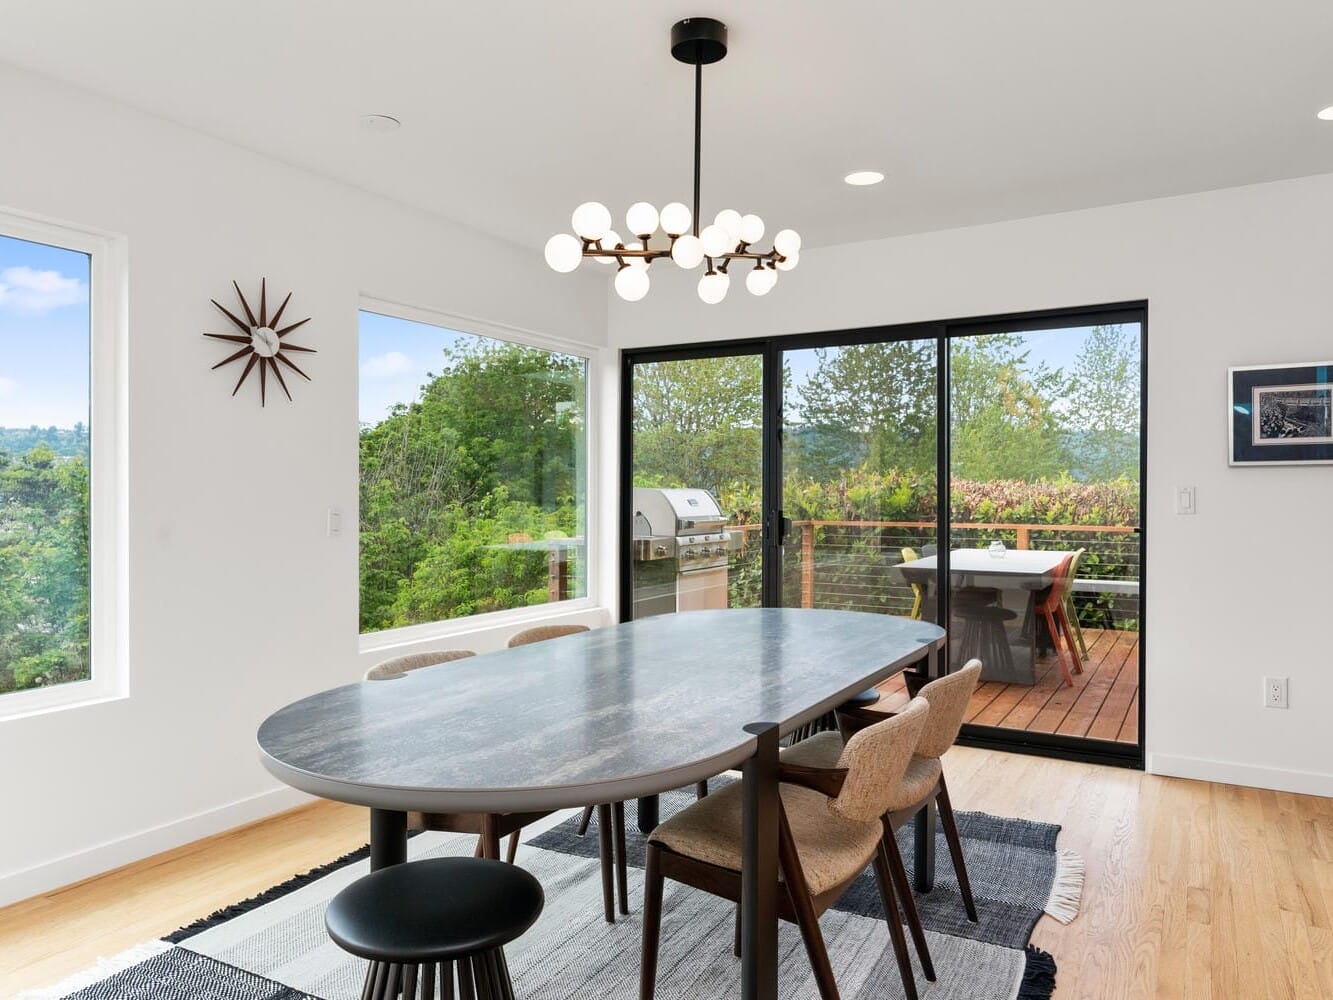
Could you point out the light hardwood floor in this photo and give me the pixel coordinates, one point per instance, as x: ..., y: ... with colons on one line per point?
x: 1194, y: 890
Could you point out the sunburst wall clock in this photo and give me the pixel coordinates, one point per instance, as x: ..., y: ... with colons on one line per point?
x: 263, y: 341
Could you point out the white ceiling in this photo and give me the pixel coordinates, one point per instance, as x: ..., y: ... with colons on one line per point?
x: 514, y: 112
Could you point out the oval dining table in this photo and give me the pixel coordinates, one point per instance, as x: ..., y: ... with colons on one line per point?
x: 627, y: 711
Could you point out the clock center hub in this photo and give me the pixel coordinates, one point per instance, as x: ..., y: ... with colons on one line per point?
x: 264, y: 341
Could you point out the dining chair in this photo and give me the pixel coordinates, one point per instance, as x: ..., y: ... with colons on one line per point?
x: 491, y: 828
x: 1051, y: 608
x: 949, y: 697
x: 918, y: 592
x: 541, y: 633
x: 830, y: 827
x: 1067, y: 599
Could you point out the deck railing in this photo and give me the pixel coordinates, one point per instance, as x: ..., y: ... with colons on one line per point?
x: 848, y: 564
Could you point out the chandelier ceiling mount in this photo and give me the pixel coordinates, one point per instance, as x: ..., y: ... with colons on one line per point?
x: 732, y: 237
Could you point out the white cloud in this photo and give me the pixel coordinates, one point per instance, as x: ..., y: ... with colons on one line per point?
x: 23, y: 289
x: 386, y: 365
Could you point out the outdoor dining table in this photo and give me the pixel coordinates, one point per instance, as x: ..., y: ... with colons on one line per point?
x: 635, y: 709
x: 1025, y: 572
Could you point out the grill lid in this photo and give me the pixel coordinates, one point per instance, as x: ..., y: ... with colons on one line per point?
x: 676, y: 511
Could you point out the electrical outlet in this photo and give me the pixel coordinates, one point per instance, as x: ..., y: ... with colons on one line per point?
x: 1275, y: 692
x: 333, y: 524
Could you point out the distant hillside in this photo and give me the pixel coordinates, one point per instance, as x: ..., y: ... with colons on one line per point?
x: 65, y: 441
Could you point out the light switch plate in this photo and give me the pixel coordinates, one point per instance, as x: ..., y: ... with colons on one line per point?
x: 1186, y: 500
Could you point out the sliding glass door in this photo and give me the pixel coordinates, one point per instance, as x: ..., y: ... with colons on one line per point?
x: 1045, y: 443
x: 820, y: 459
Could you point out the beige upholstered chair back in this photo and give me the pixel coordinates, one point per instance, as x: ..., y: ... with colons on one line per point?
x: 876, y: 759
x: 543, y: 632
x: 948, y: 699
x: 400, y: 665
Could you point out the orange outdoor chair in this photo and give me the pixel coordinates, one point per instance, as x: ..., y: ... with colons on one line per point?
x: 1052, y: 608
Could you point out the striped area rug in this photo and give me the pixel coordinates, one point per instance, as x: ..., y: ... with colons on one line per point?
x: 274, y: 947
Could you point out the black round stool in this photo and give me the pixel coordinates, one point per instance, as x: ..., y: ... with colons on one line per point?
x: 451, y: 915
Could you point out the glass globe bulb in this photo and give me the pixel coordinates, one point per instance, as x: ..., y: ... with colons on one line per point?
x: 563, y: 252
x: 608, y: 242
x: 591, y: 220
x: 761, y: 280
x: 675, y: 219
x: 632, y: 283
x: 787, y: 242
x: 730, y: 221
x: 638, y: 262
x: 641, y: 219
x: 687, y: 252
x: 715, y: 241
x: 791, y: 261
x: 752, y: 229
x: 713, y: 287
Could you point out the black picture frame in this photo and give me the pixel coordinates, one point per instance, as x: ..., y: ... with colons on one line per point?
x: 1281, y: 414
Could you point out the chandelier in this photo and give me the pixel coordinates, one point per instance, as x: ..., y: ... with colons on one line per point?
x: 731, y: 239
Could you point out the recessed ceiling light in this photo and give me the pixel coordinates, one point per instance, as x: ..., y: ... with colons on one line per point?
x: 863, y: 177
x: 1326, y: 114
x: 380, y: 123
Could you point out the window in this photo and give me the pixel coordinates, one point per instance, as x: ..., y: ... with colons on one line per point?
x: 473, y: 474
x: 45, y: 467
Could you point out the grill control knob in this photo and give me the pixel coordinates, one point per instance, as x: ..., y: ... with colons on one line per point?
x: 659, y: 550
x: 720, y: 551
x: 690, y: 553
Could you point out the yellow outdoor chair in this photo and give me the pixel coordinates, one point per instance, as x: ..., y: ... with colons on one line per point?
x: 918, y: 593
x: 1067, y: 599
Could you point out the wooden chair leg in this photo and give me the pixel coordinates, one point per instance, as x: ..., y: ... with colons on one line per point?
x: 1071, y: 615
x: 604, y: 834
x: 585, y: 819
x: 736, y: 940
x: 622, y: 864
x: 955, y: 849
x: 794, y: 882
x: 884, y: 879
x: 652, y: 922
x: 490, y: 836
x: 467, y: 988
x: 512, y: 852
x: 428, y: 981
x: 1069, y: 642
x: 1055, y: 643
x: 447, y: 980
x: 904, y: 889
x: 701, y: 789
x: 409, y: 982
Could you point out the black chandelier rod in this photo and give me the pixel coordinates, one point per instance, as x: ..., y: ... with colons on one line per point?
x: 698, y: 130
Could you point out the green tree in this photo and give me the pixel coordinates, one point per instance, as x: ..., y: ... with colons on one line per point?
x: 697, y: 423
x: 1104, y: 393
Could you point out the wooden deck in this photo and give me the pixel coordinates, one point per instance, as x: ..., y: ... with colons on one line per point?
x: 1103, y: 704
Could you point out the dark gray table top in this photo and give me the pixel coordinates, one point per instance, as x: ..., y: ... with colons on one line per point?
x: 633, y: 709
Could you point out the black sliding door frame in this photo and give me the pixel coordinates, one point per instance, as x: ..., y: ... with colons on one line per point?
x: 943, y: 333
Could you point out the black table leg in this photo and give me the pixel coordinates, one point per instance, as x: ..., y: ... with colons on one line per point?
x: 388, y: 838
x: 648, y: 814
x: 759, y: 867
x: 923, y: 857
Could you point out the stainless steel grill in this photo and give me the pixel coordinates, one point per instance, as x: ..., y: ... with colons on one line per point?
x: 681, y: 551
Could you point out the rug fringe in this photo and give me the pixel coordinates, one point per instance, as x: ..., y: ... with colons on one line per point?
x: 101, y: 969
x: 1067, y: 888
x: 1038, y: 975
x: 267, y: 896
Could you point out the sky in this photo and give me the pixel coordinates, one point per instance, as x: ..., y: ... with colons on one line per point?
x: 396, y: 358
x: 44, y: 334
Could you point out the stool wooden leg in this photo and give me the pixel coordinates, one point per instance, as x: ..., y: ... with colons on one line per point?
x: 481, y: 975
x: 409, y: 982
x: 368, y: 988
x: 381, y: 974
x: 447, y: 980
x: 584, y: 820
x: 467, y: 989
x: 428, y: 981
x: 701, y: 789
x: 391, y: 982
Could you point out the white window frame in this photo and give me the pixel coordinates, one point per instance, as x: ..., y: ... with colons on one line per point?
x: 445, y: 628
x: 108, y: 420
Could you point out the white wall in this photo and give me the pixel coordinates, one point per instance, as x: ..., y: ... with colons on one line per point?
x: 238, y: 603
x: 1232, y: 277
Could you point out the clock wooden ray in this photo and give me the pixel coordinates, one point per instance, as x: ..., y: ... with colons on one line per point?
x: 263, y: 341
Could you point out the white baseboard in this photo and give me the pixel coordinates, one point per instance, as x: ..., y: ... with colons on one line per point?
x: 1232, y: 773
x: 49, y: 875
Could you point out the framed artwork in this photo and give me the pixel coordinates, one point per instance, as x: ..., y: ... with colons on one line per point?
x: 1281, y: 415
